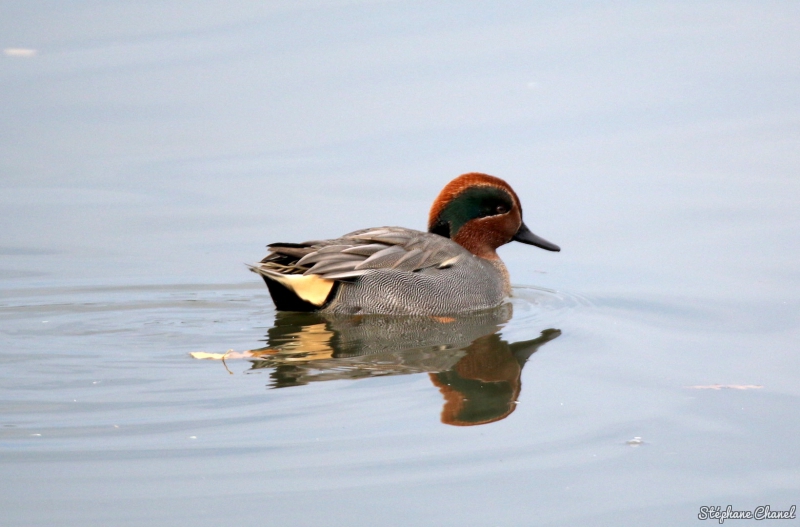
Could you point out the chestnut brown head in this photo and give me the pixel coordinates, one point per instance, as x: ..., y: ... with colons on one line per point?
x: 481, y: 212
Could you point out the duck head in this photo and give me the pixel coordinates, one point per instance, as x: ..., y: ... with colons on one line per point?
x: 481, y: 212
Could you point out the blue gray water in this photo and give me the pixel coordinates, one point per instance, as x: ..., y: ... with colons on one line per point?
x: 148, y: 151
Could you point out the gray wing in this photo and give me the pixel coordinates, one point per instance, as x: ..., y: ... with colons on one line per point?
x: 356, y: 253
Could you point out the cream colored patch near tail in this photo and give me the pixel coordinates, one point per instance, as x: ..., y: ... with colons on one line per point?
x: 311, y: 288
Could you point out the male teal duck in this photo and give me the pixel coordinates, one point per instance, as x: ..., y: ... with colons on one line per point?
x: 452, y: 268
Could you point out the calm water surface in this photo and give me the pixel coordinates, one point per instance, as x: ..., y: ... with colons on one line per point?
x: 148, y: 152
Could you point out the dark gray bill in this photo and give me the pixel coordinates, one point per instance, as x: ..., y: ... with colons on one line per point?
x: 524, y: 235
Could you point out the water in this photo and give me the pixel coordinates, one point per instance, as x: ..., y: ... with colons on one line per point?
x: 148, y: 152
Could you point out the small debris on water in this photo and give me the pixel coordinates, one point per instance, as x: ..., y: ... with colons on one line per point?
x: 19, y: 52
x: 230, y: 354
x: 726, y: 387
x: 636, y: 441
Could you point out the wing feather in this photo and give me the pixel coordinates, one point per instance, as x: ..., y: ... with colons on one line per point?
x: 355, y: 254
x: 319, y: 256
x: 329, y: 267
x: 365, y: 250
x: 384, y: 258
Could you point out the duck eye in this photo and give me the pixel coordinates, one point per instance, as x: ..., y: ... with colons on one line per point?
x: 501, y: 209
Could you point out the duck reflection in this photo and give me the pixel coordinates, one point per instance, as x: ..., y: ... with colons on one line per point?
x: 477, y: 372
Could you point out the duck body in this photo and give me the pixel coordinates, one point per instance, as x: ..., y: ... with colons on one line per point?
x: 451, y: 269
x: 385, y: 270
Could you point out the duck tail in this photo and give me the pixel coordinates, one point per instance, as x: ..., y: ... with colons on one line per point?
x: 296, y: 292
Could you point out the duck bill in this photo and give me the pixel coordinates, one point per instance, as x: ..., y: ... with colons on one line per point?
x: 524, y: 235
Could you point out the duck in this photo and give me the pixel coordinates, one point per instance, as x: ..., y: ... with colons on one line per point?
x: 452, y: 268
